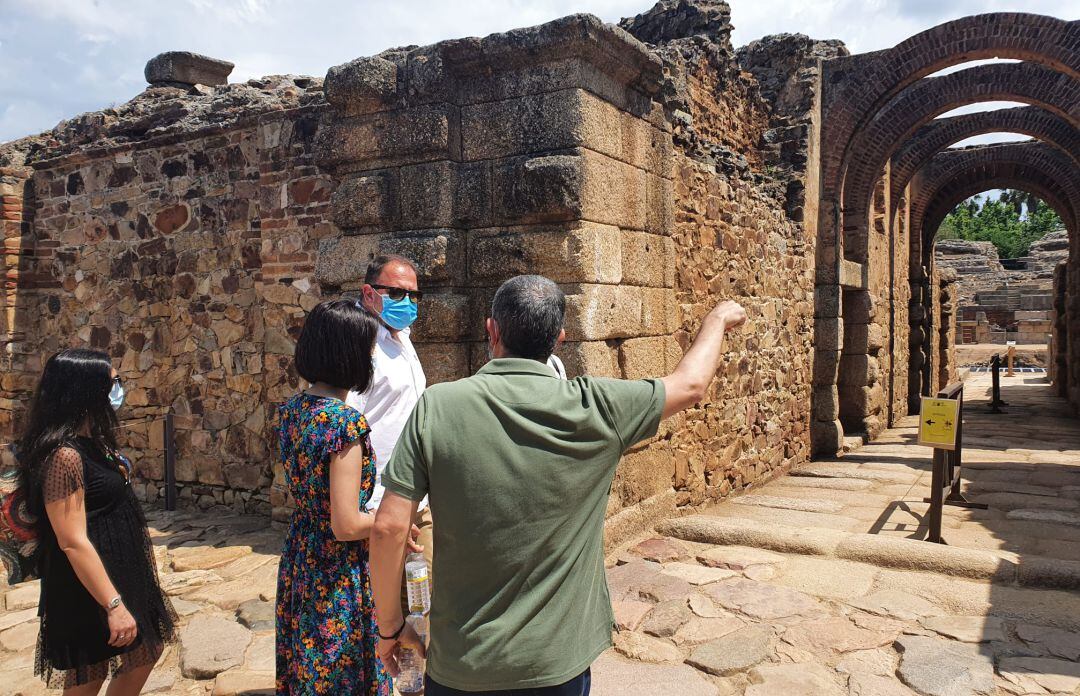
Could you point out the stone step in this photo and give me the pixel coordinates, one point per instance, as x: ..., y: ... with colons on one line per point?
x: 883, y: 551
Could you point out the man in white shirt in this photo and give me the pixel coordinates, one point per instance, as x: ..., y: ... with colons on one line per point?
x: 391, y: 292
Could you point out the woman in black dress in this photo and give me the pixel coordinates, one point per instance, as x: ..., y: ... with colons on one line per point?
x: 103, y: 614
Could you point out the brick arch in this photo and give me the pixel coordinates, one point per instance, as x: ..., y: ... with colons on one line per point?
x: 939, y: 134
x: 856, y: 87
x: 1017, y: 165
x: 947, y: 179
x: 997, y: 177
x: 919, y: 104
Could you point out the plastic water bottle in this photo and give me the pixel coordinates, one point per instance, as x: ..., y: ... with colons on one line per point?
x: 410, y: 679
x: 418, y: 583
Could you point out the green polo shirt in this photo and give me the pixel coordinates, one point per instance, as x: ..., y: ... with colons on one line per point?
x: 518, y: 466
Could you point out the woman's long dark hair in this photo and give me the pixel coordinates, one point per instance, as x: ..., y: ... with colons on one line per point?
x: 73, y: 390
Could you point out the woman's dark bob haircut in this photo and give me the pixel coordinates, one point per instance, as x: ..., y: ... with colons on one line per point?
x: 335, y: 345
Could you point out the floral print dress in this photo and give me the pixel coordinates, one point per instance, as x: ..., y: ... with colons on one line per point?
x: 326, y: 633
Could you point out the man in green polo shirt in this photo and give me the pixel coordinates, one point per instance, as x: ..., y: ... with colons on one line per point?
x: 517, y: 465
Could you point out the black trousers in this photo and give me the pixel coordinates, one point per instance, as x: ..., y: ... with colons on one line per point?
x: 578, y: 686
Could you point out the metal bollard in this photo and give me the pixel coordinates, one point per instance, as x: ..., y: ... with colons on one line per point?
x: 995, y: 375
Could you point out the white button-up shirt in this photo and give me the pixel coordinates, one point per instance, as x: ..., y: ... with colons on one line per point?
x: 396, y: 386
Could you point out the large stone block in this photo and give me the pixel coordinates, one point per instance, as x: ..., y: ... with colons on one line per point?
x: 826, y: 405
x: 659, y: 204
x: 582, y: 253
x: 439, y: 256
x: 826, y: 438
x: 445, y: 194
x: 852, y: 274
x: 446, y: 317
x: 648, y: 259
x: 827, y: 301
x: 582, y: 185
x: 539, y: 189
x: 562, y: 120
x: 362, y: 85
x: 592, y: 358
x: 858, y: 370
x: 858, y: 307
x: 575, y: 51
x: 601, y: 312
x: 858, y: 402
x: 648, y: 357
x: 187, y: 68
x: 828, y: 334
x: 857, y: 338
x: 418, y: 134
x: 826, y: 367
x: 444, y: 362
x: 366, y: 201
x: 644, y: 473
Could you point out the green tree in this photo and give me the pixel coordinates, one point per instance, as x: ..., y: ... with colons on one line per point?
x: 1012, y: 222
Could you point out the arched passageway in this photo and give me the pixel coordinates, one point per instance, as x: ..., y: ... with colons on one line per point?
x: 887, y: 179
x: 946, y: 180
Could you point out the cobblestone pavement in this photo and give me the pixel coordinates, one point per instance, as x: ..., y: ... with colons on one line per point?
x: 818, y: 583
x: 220, y: 570
x: 807, y: 586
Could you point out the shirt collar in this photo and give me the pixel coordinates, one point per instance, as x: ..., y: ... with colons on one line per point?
x: 385, y: 335
x: 512, y: 366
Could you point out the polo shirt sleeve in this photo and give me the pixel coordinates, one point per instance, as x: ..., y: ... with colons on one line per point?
x: 407, y: 471
x: 632, y: 407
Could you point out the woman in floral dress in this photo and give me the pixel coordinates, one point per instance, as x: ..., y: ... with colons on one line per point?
x: 326, y: 632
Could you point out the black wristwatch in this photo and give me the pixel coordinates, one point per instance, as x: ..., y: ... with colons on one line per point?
x: 395, y: 634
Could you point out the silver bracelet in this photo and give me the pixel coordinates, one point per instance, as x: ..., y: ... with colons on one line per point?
x: 113, y: 603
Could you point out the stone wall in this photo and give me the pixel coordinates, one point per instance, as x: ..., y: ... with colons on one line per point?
x: 735, y: 237
x: 177, y: 233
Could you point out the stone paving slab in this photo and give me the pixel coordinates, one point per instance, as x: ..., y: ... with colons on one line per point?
x: 855, y: 602
x: 217, y: 653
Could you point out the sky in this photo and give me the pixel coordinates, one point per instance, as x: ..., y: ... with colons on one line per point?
x: 59, y: 58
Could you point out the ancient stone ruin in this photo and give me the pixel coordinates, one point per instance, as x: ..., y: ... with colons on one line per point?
x: 649, y: 168
x: 998, y: 304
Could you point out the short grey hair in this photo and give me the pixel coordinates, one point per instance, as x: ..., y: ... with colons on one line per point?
x: 529, y: 311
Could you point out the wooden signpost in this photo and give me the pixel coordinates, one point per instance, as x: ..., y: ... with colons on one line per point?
x: 941, y: 426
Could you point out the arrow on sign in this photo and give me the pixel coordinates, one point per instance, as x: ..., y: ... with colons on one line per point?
x: 948, y: 424
x: 929, y: 422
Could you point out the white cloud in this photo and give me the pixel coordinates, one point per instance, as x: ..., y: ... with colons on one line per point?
x: 61, y: 57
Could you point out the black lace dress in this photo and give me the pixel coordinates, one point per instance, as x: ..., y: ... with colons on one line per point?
x: 73, y: 644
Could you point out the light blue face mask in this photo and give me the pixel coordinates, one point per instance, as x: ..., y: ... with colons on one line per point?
x: 398, y: 314
x: 116, y: 396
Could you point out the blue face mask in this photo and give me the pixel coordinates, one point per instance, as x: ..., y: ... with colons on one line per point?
x: 116, y: 396
x: 398, y: 314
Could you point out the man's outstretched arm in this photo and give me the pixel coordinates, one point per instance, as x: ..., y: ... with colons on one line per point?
x: 687, y: 385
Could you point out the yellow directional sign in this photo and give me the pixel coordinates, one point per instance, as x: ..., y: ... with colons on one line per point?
x: 938, y: 422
